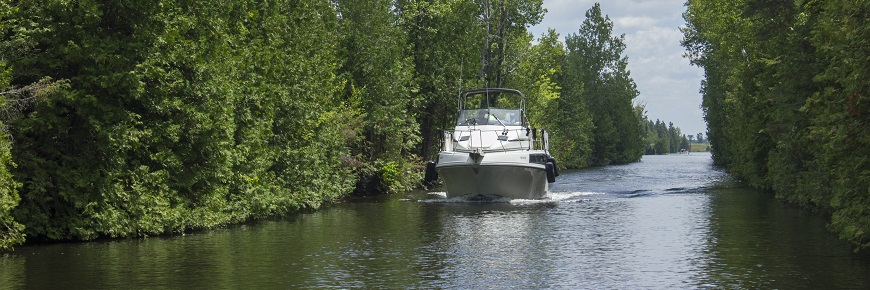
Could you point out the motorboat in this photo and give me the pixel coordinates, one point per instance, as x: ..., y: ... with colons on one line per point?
x: 493, y: 151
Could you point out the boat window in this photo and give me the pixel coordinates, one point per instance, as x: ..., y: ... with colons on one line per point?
x: 508, y: 117
x: 491, y: 100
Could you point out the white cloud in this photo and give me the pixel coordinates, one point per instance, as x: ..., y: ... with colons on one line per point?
x: 655, y: 40
x: 632, y: 22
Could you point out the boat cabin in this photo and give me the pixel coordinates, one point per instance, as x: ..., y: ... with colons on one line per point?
x: 495, y: 106
x: 491, y: 120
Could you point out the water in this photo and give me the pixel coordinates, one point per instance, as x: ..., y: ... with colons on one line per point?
x: 666, y: 222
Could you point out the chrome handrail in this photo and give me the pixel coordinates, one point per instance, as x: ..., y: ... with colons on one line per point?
x: 529, y: 139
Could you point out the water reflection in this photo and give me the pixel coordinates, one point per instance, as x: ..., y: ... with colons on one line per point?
x: 758, y: 242
x: 666, y: 222
x: 599, y: 241
x: 491, y: 244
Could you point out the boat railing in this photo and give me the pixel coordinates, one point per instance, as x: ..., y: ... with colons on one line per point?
x: 495, y: 140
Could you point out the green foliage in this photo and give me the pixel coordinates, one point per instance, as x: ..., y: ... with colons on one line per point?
x: 661, y: 139
x: 839, y: 113
x: 785, y: 98
x: 597, y: 87
x: 540, y: 78
x: 504, y: 23
x: 456, y: 45
x: 443, y: 45
x: 11, y: 232
x: 572, y: 122
x: 380, y: 84
x: 539, y: 69
x: 398, y: 176
x: 193, y: 115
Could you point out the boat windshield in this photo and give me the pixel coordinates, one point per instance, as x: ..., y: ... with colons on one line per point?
x: 492, y: 116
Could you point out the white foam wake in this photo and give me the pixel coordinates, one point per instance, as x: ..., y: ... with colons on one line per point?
x: 441, y: 197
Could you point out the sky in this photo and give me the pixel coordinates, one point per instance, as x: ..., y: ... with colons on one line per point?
x: 669, y: 86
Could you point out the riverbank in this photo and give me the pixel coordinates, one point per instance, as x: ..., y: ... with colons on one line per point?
x: 695, y: 147
x: 797, y: 125
x: 389, y: 177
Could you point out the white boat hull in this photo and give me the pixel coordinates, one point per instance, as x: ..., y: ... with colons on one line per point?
x: 508, y: 174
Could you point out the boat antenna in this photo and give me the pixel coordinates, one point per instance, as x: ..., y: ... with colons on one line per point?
x: 459, y: 89
x: 488, y: 105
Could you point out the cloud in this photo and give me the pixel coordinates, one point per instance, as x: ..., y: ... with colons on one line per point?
x: 654, y: 40
x: 633, y: 22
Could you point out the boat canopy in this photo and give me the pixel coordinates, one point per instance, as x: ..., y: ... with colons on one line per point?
x: 491, y: 106
x: 491, y: 116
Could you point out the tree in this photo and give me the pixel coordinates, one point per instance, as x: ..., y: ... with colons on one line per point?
x: 537, y: 77
x: 456, y: 45
x: 505, y: 22
x: 14, y: 102
x: 177, y: 116
x: 837, y: 112
x: 684, y: 143
x: 782, y: 100
x: 444, y: 44
x: 380, y: 84
x: 570, y: 116
x: 595, y: 61
x: 661, y: 139
x: 11, y: 232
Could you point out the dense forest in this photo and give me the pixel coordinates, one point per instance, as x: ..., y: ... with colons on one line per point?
x: 661, y: 138
x: 137, y: 118
x: 787, y: 100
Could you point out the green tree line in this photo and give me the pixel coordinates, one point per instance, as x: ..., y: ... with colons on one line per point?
x: 661, y: 138
x: 137, y: 118
x: 785, y: 97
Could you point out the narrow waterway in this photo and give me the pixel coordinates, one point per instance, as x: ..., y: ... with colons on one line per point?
x: 666, y: 222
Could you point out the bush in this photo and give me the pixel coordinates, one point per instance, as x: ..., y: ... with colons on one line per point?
x: 11, y: 232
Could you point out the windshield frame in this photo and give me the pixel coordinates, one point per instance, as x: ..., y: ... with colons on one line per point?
x: 491, y: 116
x: 472, y: 102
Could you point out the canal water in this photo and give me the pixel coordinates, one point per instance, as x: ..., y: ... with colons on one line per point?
x: 666, y: 222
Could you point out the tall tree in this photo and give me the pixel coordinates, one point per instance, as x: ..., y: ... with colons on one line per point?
x: 11, y: 232
x: 444, y: 44
x: 536, y: 76
x: 380, y: 84
x: 505, y: 22
x: 178, y: 115
x: 595, y: 57
x: 782, y: 101
x: 838, y: 112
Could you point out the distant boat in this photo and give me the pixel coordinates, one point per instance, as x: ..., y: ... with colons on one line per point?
x: 492, y: 150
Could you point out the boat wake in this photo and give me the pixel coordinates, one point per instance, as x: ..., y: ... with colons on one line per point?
x: 574, y: 196
x: 553, y: 197
x: 655, y: 192
x: 440, y: 197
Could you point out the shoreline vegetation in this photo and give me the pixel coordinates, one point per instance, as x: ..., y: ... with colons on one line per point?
x: 130, y: 119
x: 786, y: 100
